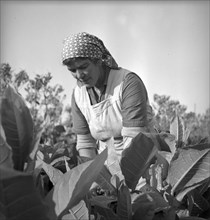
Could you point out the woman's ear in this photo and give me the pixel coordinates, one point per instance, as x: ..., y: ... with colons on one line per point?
x: 98, y: 62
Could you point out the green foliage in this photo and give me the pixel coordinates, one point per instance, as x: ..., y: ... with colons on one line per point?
x: 5, y: 76
x: 199, y: 126
x: 42, y: 98
x: 167, y: 109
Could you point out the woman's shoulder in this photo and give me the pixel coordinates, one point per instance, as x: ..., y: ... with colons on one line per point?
x: 132, y: 76
x: 133, y: 83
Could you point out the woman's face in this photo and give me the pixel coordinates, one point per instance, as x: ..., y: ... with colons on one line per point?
x: 85, y: 71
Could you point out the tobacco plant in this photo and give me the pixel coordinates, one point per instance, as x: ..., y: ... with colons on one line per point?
x: 39, y: 184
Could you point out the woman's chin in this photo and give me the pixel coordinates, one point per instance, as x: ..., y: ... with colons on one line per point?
x: 88, y: 85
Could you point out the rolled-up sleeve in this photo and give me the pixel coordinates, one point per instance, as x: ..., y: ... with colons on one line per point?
x: 86, y: 141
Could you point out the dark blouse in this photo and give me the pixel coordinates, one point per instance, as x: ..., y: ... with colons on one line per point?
x: 133, y: 105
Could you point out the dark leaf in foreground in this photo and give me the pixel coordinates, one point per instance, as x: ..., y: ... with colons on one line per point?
x: 19, y: 197
x: 136, y: 159
x: 124, y: 208
x: 18, y: 126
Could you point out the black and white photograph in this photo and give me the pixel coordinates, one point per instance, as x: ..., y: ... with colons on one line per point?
x: 104, y: 110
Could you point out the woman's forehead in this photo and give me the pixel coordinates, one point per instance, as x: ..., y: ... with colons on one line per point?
x: 78, y: 62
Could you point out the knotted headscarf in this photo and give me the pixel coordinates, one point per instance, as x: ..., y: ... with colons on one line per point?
x: 87, y: 46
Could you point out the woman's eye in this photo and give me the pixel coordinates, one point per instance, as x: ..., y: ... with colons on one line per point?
x: 83, y: 67
x: 78, y: 68
x: 72, y: 70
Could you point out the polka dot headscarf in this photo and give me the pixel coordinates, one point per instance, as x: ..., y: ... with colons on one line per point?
x: 89, y: 46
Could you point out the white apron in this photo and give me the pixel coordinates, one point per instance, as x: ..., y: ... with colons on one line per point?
x: 104, y: 118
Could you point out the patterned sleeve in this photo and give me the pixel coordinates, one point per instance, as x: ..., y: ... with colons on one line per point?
x: 134, y: 101
x: 80, y: 125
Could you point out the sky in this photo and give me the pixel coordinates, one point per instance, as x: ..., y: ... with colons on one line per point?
x: 165, y: 42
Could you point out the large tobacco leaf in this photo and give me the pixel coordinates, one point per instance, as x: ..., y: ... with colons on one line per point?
x: 102, y: 201
x: 136, y: 159
x: 112, y: 162
x: 143, y: 207
x: 105, y: 213
x: 18, y: 126
x: 162, y: 141
x: 31, y: 163
x: 189, y: 167
x: 124, y: 208
x: 197, y: 204
x: 37, y: 137
x: 74, y: 185
x: 104, y: 180
x: 19, y: 198
x: 177, y: 129
x: 59, y: 152
x: 146, y: 204
x: 54, y: 174
x: 167, y: 139
x: 5, y: 153
x: 78, y: 212
x: 201, y: 186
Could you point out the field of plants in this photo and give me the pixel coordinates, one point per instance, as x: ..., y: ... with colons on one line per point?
x: 41, y: 179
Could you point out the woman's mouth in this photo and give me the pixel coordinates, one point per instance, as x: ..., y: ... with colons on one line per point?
x: 84, y: 81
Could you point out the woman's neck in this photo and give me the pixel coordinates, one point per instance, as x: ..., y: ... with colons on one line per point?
x: 103, y: 76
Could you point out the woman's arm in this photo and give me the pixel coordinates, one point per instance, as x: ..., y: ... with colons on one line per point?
x: 86, y: 144
x: 134, y: 108
x: 134, y: 102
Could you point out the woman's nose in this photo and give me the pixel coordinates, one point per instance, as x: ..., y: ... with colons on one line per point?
x: 80, y: 74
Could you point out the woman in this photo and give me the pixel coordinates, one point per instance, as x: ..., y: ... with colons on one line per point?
x: 108, y: 101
